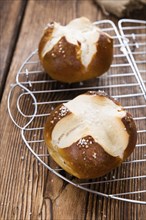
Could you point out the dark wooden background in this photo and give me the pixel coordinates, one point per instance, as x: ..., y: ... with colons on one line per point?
x: 29, y: 190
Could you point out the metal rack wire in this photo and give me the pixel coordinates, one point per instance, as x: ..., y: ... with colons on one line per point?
x: 125, y: 81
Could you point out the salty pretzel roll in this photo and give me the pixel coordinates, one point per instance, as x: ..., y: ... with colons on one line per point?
x: 90, y: 135
x: 75, y: 52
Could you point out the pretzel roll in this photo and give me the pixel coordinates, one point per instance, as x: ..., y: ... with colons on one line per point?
x: 75, y: 52
x: 90, y: 135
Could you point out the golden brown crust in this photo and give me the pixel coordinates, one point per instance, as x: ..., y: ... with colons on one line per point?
x: 88, y: 160
x: 131, y: 129
x: 45, y: 38
x: 103, y: 58
x: 85, y: 158
x: 64, y: 65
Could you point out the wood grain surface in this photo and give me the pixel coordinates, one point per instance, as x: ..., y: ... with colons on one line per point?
x: 11, y: 15
x: 27, y: 189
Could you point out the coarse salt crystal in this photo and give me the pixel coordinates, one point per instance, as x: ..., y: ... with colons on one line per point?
x: 94, y: 155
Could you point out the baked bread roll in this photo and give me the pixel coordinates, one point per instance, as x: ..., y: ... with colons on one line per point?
x: 90, y: 135
x: 75, y: 52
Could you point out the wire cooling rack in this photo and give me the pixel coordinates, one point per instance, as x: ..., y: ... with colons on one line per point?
x: 37, y: 95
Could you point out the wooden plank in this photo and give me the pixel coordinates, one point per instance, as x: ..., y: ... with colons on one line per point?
x: 11, y: 15
x: 28, y: 189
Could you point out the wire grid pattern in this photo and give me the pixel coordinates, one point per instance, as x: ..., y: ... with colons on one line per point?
x: 38, y: 95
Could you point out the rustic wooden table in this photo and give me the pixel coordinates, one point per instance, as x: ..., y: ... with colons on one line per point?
x: 28, y: 189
